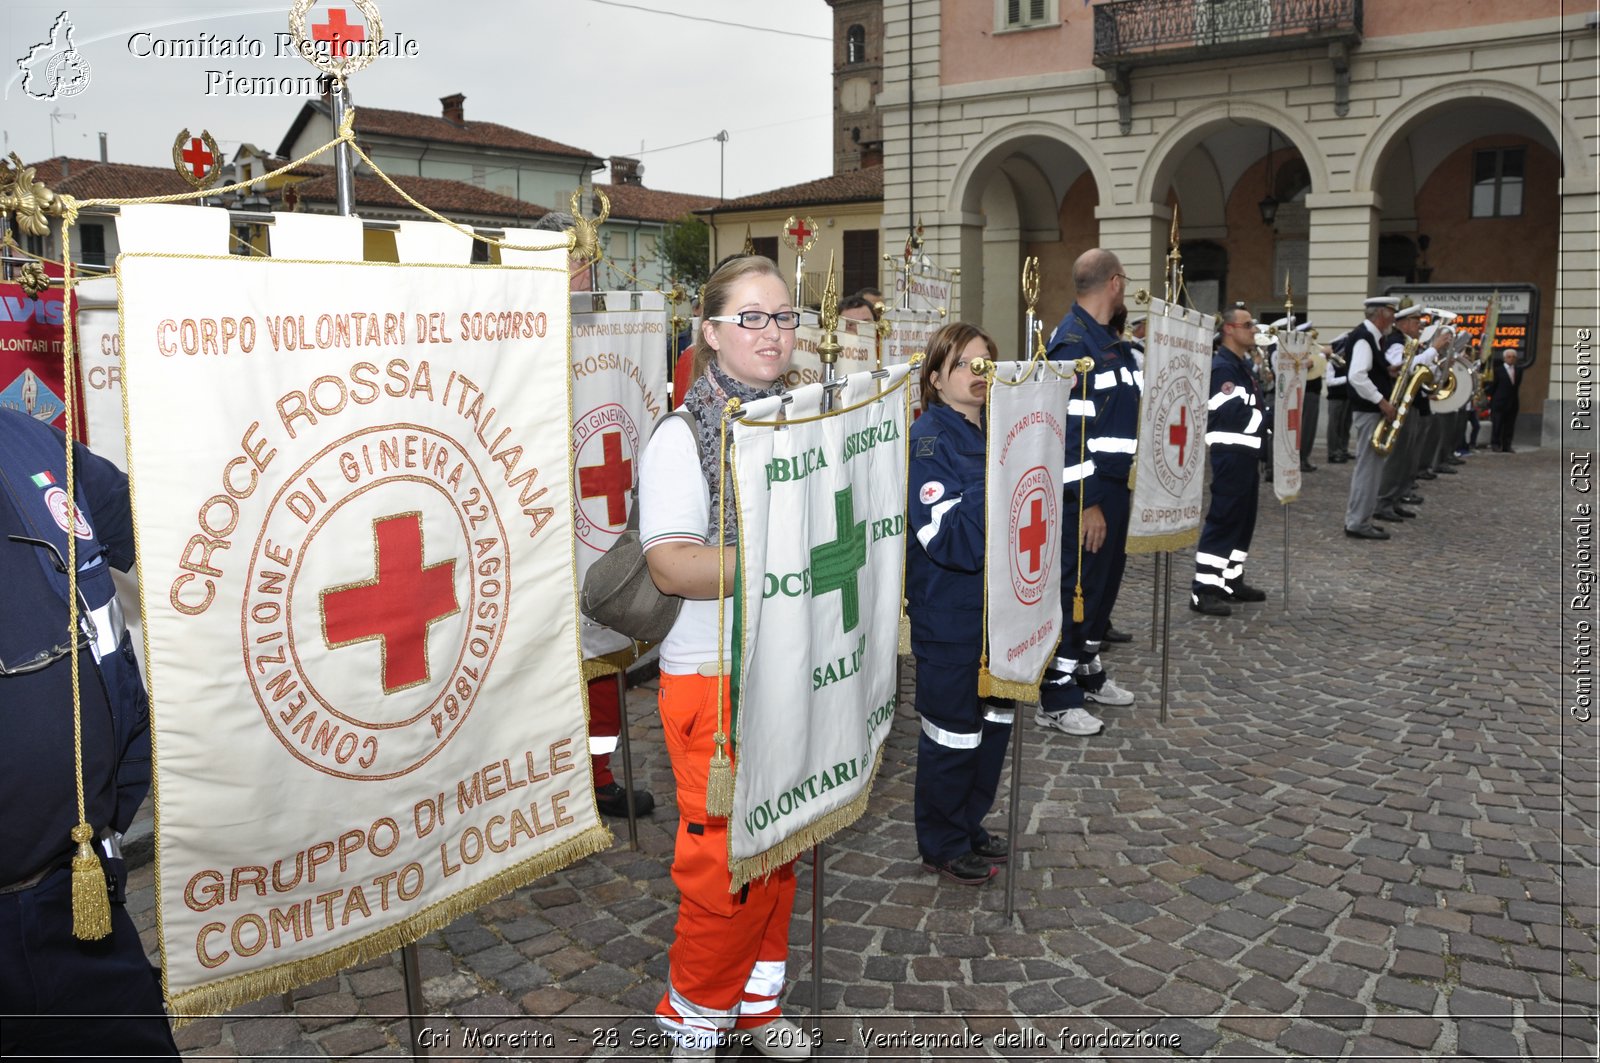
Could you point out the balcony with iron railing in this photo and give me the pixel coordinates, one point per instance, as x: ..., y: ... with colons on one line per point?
x: 1131, y: 33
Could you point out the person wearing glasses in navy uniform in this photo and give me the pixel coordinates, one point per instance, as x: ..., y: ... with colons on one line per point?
x: 962, y: 747
x: 62, y: 995
x: 1092, y: 329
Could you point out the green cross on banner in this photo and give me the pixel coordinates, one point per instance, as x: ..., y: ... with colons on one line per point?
x: 834, y: 565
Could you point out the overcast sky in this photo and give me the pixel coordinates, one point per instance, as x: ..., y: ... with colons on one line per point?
x: 602, y: 75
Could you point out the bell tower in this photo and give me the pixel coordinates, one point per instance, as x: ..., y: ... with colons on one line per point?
x: 857, y: 80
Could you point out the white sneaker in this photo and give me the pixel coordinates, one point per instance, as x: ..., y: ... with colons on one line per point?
x: 779, y: 1039
x: 1109, y: 694
x: 1073, y: 722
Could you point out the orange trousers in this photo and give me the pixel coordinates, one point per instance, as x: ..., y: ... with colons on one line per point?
x: 730, y: 951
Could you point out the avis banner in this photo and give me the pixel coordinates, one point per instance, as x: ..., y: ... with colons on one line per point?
x: 619, y: 392
x: 1169, y: 465
x: 1289, y: 395
x: 31, y: 353
x: 354, y: 526
x: 822, y: 518
x: 1022, y: 511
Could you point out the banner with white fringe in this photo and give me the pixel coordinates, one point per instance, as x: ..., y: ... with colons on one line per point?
x: 1026, y: 424
x: 1289, y: 368
x: 1169, y: 465
x: 822, y: 519
x: 354, y: 524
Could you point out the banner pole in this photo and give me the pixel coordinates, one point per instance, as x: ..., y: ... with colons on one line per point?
x: 1166, y: 631
x: 343, y: 169
x: 1155, y: 596
x: 1285, y: 509
x: 627, y: 757
x: 1014, y: 812
x: 411, y: 967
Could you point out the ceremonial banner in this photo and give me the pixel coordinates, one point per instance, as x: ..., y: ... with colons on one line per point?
x: 822, y: 519
x: 1022, y: 505
x: 351, y: 496
x: 1289, y: 367
x: 98, y: 350
x: 31, y: 355
x: 858, y: 353
x: 925, y: 287
x: 908, y: 336
x: 1169, y: 465
x: 619, y: 392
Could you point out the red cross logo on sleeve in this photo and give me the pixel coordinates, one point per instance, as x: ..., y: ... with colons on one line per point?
x: 197, y: 157
x: 1032, y: 536
x: 611, y: 479
x: 397, y: 606
x: 1178, y: 434
x: 337, y: 32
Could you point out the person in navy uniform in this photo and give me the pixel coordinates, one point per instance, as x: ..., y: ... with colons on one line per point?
x: 1234, y: 441
x: 1109, y: 431
x: 63, y: 995
x: 963, y: 742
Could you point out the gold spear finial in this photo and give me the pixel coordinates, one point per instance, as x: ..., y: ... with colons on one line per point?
x: 828, y: 350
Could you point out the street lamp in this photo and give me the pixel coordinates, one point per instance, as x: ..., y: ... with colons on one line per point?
x: 722, y: 164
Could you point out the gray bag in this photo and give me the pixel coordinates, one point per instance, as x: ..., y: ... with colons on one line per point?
x: 618, y: 591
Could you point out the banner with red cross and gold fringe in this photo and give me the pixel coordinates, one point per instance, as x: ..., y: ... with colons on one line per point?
x: 1169, y: 465
x: 352, y: 501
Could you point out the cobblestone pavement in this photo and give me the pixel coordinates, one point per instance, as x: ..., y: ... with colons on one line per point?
x: 1367, y: 829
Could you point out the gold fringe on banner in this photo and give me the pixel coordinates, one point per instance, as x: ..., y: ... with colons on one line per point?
x: 765, y: 863
x: 905, y: 635
x: 990, y: 687
x: 1168, y: 541
x: 230, y: 993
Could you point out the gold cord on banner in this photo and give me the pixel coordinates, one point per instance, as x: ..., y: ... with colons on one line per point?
x: 719, y: 776
x: 91, y: 907
x: 1083, y: 443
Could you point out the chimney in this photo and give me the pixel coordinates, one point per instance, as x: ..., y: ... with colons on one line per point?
x: 626, y: 171
x: 453, y: 108
x: 103, y: 156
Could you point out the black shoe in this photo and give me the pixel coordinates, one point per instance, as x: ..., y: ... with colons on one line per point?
x: 1113, y: 635
x: 1411, y: 499
x: 1369, y: 532
x: 1210, y: 603
x: 1246, y: 593
x: 1507, y: 450
x: 968, y: 869
x: 1454, y: 459
x: 1426, y: 475
x: 612, y: 800
x: 996, y: 850
x: 1444, y: 470
x: 1306, y: 466
x: 1388, y: 515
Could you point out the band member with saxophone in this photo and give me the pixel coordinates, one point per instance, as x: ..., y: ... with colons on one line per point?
x: 1234, y: 435
x: 1369, y: 405
x: 1398, y: 483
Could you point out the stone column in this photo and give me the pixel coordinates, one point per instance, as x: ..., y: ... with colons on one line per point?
x: 1137, y: 234
x: 1343, y: 252
x: 1577, y: 307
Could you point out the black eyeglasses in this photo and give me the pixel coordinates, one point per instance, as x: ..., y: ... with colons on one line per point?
x: 757, y: 319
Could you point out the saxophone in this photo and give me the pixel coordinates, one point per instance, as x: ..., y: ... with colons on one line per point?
x: 1406, y: 385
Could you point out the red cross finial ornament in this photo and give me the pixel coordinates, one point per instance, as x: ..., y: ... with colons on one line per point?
x: 197, y: 159
x: 799, y: 234
x: 337, y: 31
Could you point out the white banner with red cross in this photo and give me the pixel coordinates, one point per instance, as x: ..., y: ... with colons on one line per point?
x: 1169, y: 464
x: 354, y: 526
x: 822, y: 521
x: 909, y: 333
x: 619, y: 392
x: 1027, y: 413
x: 1289, y: 368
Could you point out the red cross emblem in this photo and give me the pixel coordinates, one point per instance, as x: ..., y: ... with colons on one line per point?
x: 1292, y: 419
x: 611, y: 479
x: 799, y: 231
x: 1032, y: 536
x: 337, y: 32
x: 197, y: 157
x: 397, y: 605
x: 1178, y: 434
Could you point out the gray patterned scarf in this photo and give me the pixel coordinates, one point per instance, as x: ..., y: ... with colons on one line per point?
x: 706, y: 400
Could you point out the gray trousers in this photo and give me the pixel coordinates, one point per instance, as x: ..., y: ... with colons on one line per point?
x: 1310, y: 413
x: 1400, y: 467
x: 1338, y: 426
x: 1368, y: 471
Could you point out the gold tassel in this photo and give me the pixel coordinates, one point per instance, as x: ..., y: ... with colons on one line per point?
x: 91, y: 908
x: 719, y: 780
x: 1077, y: 604
x: 905, y: 635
